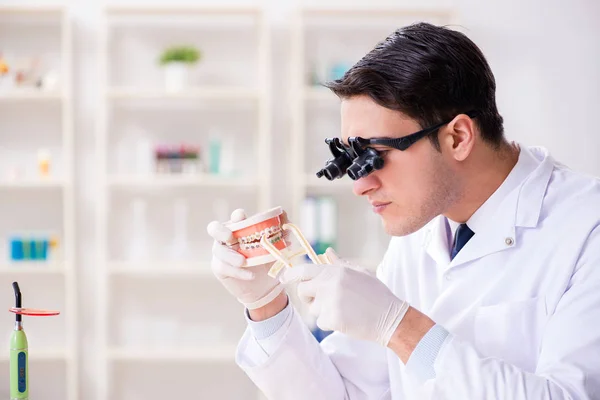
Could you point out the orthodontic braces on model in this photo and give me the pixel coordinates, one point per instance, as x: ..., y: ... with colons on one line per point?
x: 263, y: 238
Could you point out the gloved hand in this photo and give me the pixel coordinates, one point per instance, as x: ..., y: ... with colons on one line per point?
x: 251, y: 286
x: 348, y: 299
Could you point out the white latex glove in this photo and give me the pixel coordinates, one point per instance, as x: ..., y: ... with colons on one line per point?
x: 348, y: 299
x: 250, y: 285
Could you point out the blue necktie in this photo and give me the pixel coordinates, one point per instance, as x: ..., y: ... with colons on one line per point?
x: 463, y: 235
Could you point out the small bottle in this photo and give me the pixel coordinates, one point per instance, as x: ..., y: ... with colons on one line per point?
x: 143, y: 157
x: 44, y: 162
x: 162, y: 160
x: 177, y: 159
x: 214, y: 154
x: 327, y: 224
x: 308, y: 223
x: 192, y: 160
x: 195, y: 161
x: 227, y: 160
x: 138, y: 248
x: 179, y: 248
x: 158, y: 160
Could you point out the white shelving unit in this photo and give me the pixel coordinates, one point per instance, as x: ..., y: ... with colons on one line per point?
x: 323, y: 40
x: 46, y: 354
x: 197, y: 354
x: 36, y: 118
x: 35, y: 184
x: 157, y: 269
x: 230, y: 85
x: 31, y: 268
x: 32, y: 95
x: 179, y: 181
x: 191, y: 94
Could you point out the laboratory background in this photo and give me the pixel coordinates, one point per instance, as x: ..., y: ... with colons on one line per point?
x: 127, y: 126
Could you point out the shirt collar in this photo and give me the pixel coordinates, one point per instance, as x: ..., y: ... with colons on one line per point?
x: 516, y: 202
x: 526, y: 163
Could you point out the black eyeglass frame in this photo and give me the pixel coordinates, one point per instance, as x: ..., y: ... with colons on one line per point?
x: 404, y: 142
x: 358, y: 159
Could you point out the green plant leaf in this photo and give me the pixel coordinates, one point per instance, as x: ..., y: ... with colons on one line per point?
x: 186, y: 54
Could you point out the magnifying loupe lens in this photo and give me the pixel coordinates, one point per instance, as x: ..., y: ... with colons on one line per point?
x: 364, y: 165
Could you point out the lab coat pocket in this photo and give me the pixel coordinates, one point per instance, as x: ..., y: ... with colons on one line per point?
x: 511, y: 331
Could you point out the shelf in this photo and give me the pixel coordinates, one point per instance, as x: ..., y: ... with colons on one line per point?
x: 218, y: 353
x: 154, y: 269
x: 19, y: 9
x: 160, y: 181
x: 30, y: 95
x: 46, y: 32
x: 126, y: 103
x: 49, y: 183
x: 159, y: 10
x: 43, y: 354
x: 27, y: 267
x: 370, y: 11
x: 202, y: 93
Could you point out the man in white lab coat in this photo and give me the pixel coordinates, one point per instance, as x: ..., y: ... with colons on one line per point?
x: 490, y: 287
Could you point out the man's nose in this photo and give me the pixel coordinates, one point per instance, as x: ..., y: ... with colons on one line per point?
x: 365, y: 185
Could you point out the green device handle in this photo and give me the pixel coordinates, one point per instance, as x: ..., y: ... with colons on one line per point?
x: 19, y: 364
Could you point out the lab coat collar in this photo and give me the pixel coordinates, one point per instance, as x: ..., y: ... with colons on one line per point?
x: 516, y: 203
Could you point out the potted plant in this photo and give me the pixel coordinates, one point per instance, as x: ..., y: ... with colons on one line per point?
x: 176, y: 61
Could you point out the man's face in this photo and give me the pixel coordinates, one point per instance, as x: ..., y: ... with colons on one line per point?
x: 415, y: 185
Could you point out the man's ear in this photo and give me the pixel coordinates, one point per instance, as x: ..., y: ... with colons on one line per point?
x: 458, y: 137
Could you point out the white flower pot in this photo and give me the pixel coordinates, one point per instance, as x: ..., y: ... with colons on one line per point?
x: 176, y: 76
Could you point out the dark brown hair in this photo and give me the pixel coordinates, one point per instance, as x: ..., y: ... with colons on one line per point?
x: 430, y: 73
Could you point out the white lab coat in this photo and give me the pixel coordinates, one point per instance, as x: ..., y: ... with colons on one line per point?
x: 521, y: 302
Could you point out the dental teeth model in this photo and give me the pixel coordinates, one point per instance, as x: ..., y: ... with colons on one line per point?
x: 264, y: 238
x: 249, y: 232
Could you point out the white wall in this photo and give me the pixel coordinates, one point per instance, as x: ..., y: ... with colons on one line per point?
x: 545, y: 55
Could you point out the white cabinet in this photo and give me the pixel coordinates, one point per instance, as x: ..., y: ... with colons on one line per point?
x: 37, y: 208
x: 173, y: 158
